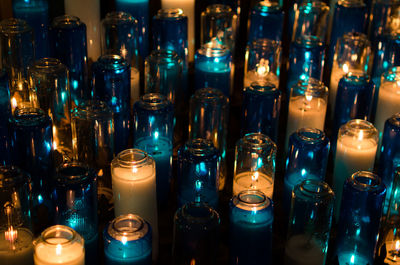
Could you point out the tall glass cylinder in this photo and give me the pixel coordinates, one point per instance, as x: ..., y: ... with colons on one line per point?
x: 68, y: 44
x: 213, y: 65
x: 32, y: 139
x: 134, y: 187
x: 307, y: 159
x: 198, y: 172
x: 196, y: 235
x: 208, y: 119
x: 310, y: 223
x: 59, y: 245
x: 49, y: 80
x: 120, y: 36
x: 153, y: 120
x: 261, y: 108
x: 111, y: 84
x: 254, y: 166
x: 127, y: 240
x: 36, y: 14
x: 262, y: 62
x: 219, y: 24
x: 139, y: 9
x: 75, y: 198
x: 355, y: 150
x: 266, y: 21
x: 353, y: 100
x: 251, y: 216
x: 363, y: 195
x: 388, y: 98
x: 389, y: 153
x: 352, y: 55
x: 5, y: 109
x: 307, y: 106
x: 17, y: 53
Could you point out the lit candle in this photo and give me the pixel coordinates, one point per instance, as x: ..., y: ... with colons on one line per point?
x: 262, y: 73
x: 59, y: 245
x: 16, y: 246
x: 254, y: 181
x: 392, y: 252
x: 134, y: 188
x: 303, y: 250
x: 188, y: 9
x: 337, y: 74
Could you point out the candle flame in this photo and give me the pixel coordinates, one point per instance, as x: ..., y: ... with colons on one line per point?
x: 361, y: 136
x: 11, y: 234
x: 13, y: 102
x: 134, y: 170
x: 255, y: 176
x: 345, y: 68
x: 58, y: 249
x: 124, y: 239
x: 262, y: 67
x: 309, y: 97
x: 397, y: 245
x: 192, y: 262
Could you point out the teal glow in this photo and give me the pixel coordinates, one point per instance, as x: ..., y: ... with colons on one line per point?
x: 198, y: 184
x: 75, y: 84
x: 307, y: 55
x: 156, y: 134
x: 303, y: 172
x: 310, y: 155
x: 40, y: 199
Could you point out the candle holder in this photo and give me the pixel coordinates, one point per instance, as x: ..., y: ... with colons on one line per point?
x: 262, y: 62
x: 307, y: 106
x: 307, y: 159
x: 198, y: 172
x: 363, y: 195
x: 59, y: 245
x: 389, y: 94
x: 120, y: 36
x: 134, y: 187
x: 196, y: 234
x: 111, y: 84
x: 75, y: 198
x: 266, y: 21
x: 353, y: 100
x: 68, y: 44
x: 208, y: 119
x: 127, y: 240
x: 310, y: 223
x: 16, y: 246
x: 219, y: 24
x: 355, y: 150
x: 213, y: 63
x: 351, y: 56
x: 5, y: 109
x: 49, y: 80
x: 17, y: 53
x: 140, y: 11
x: 153, y: 133
x: 36, y: 14
x: 261, y: 108
x: 389, y: 150
x: 254, y: 166
x: 251, y: 217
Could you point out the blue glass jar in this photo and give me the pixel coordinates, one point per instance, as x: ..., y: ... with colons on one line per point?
x: 139, y: 9
x: 213, y: 63
x: 68, y: 44
x: 127, y: 241
x: 17, y: 53
x: 75, y: 198
x: 363, y: 195
x: 219, y: 24
x: 208, y: 119
x: 261, y: 108
x: 5, y: 109
x: 111, y: 84
x: 266, y: 21
x: 48, y: 78
x: 198, y: 172
x: 382, y: 11
x: 196, y: 235
x: 251, y: 216
x: 31, y: 136
x: 310, y: 223
x: 153, y: 118
x: 353, y: 99
x: 36, y: 14
x: 307, y: 159
x: 389, y: 154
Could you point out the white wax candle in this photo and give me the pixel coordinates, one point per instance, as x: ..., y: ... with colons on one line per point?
x: 336, y: 75
x: 253, y: 180
x: 91, y: 17
x: 303, y: 250
x: 59, y: 252
x: 188, y: 9
x: 305, y: 112
x: 252, y: 76
x: 388, y: 103
x: 135, y: 85
x: 20, y: 251
x: 352, y: 154
x: 135, y: 193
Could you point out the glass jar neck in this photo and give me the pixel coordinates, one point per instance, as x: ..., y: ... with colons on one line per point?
x: 128, y: 228
x: 251, y: 200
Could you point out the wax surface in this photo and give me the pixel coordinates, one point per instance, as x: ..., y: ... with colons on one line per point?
x: 388, y: 104
x: 303, y: 250
x: 244, y: 181
x: 69, y: 254
x: 252, y: 76
x: 23, y: 252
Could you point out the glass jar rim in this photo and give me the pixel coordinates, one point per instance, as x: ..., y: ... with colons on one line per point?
x: 395, y: 120
x: 257, y: 141
x: 48, y: 65
x: 356, y: 38
x: 355, y: 126
x: 311, y: 87
x: 351, y: 3
x: 60, y: 231
x: 207, y: 211
x: 208, y: 94
x: 201, y: 147
x: 251, y: 200
x: 154, y: 101
x: 11, y: 176
x: 119, y: 17
x: 167, y: 58
x: 365, y: 181
x: 311, y: 135
x: 67, y: 21
x: 213, y: 49
x: 111, y: 62
x: 135, y: 228
x: 317, y: 189
x: 14, y: 26
x: 93, y: 109
x: 170, y: 13
x: 218, y: 9
x: 263, y: 86
x: 357, y: 78
x: 319, y: 6
x: 265, y: 6
x: 74, y: 172
x: 30, y: 116
x: 132, y: 158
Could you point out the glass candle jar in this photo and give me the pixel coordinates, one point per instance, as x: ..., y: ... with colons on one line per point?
x: 5, y: 109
